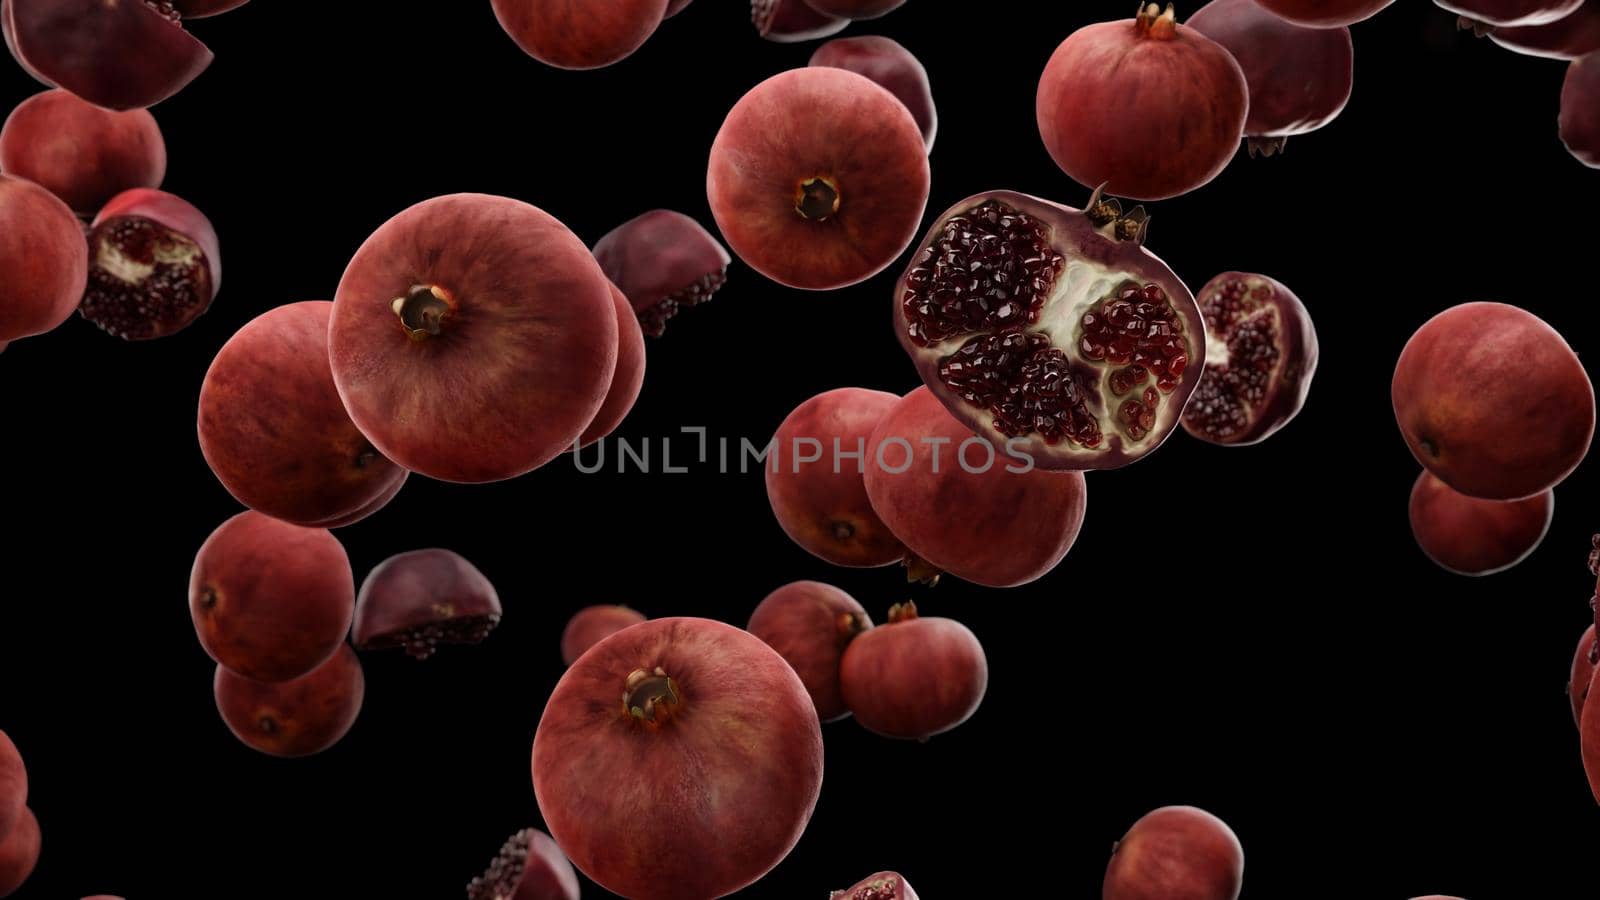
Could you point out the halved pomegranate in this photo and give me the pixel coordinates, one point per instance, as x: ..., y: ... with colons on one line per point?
x: 1051, y: 330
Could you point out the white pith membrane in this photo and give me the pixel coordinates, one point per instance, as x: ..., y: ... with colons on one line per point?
x: 1243, y: 358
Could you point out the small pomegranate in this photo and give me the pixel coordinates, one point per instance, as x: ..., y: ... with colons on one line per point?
x: 119, y: 54
x: 792, y: 21
x: 1176, y: 853
x: 1261, y: 351
x: 815, y: 480
x: 913, y: 678
x: 529, y: 867
x: 878, y: 886
x: 580, y: 34
x: 43, y: 261
x: 818, y: 178
x: 80, y: 152
x: 1511, y: 12
x: 1469, y: 536
x: 1147, y: 108
x: 892, y: 67
x: 627, y: 380
x: 593, y: 624
x: 1583, y: 666
x: 663, y: 261
x: 154, y: 266
x: 290, y: 719
x: 1569, y: 38
x: 1300, y: 77
x: 19, y: 853
x: 1492, y: 401
x: 1580, y: 110
x: 1051, y: 331
x: 1325, y: 13
x: 13, y: 785
x: 856, y: 9
x: 811, y: 624
x: 421, y: 599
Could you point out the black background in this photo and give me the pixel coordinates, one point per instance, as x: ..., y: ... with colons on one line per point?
x: 1248, y: 630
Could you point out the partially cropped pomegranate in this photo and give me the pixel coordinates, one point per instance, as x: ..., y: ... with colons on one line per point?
x: 676, y: 6
x: 1583, y: 666
x: 1145, y: 107
x: 80, y: 152
x: 913, y: 678
x: 856, y: 9
x: 1589, y: 738
x: 580, y: 34
x: 792, y: 21
x: 811, y: 624
x: 154, y: 265
x: 1492, y: 401
x: 1580, y: 110
x: 1051, y: 331
x: 301, y: 717
x: 1469, y: 536
x: 1326, y: 13
x: 43, y: 261
x: 13, y: 785
x: 663, y: 261
x: 628, y: 378
x: 593, y: 624
x: 878, y: 886
x: 1568, y: 38
x: 1261, y: 353
x: 19, y: 853
x: 1511, y: 12
x: 529, y: 867
x: 1300, y: 77
x: 421, y: 599
x: 892, y: 67
x: 120, y: 54
x: 1176, y: 853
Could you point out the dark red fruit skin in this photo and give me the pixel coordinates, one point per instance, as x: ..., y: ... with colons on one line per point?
x: 580, y: 34
x: 733, y: 769
x: 1300, y: 78
x: 1290, y: 381
x: 1493, y: 401
x: 1511, y: 12
x: 295, y: 718
x: 547, y: 874
x: 890, y: 66
x: 1580, y: 110
x: 1469, y: 536
x: 1176, y: 853
x: 913, y: 678
x: 411, y: 600
x: 200, y: 9
x: 811, y: 624
x: 662, y: 261
x: 13, y: 785
x: 271, y: 601
x: 523, y: 359
x: 1144, y: 107
x: 676, y: 6
x: 878, y: 886
x: 792, y: 21
x: 826, y: 512
x: 274, y: 432
x: 1589, y: 738
x: 19, y: 853
x: 628, y: 378
x: 593, y: 624
x: 1569, y: 38
x: 120, y: 54
x: 1583, y: 665
x: 1325, y: 13
x: 43, y: 261
x: 80, y: 152
x: 378, y: 502
x: 995, y: 528
x: 855, y: 9
x: 818, y: 124
x: 1076, y: 236
x: 150, y: 308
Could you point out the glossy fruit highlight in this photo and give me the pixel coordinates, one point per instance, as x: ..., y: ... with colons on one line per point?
x: 878, y: 886
x: 421, y: 599
x: 1580, y: 110
x: 473, y: 339
x: 271, y: 601
x: 913, y: 678
x: 274, y: 431
x: 529, y: 867
x: 13, y: 785
x: 663, y: 261
x: 1145, y: 108
x: 1176, y: 853
x: 1325, y: 13
x: 593, y: 624
x: 1469, y: 536
x: 818, y: 178
x: 19, y: 853
x: 1492, y: 401
x: 1511, y: 12
x: 1300, y: 78
x: 80, y: 152
x: 43, y: 262
x: 811, y: 624
x: 1584, y: 661
x: 890, y: 66
x: 580, y: 34
x: 792, y: 21
x: 120, y: 54
x: 295, y: 718
x: 1261, y: 352
x: 154, y: 266
x: 1051, y: 331
x: 726, y: 743
x: 815, y: 479
x: 1568, y: 38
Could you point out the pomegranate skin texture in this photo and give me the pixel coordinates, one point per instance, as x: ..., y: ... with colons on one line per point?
x: 593, y: 624
x: 855, y: 9
x: 818, y: 178
x: 529, y: 867
x: 1146, y: 108
x: 1580, y: 110
x: 302, y: 717
x: 1492, y: 401
x: 44, y: 264
x: 731, y: 734
x: 19, y: 853
x: 1325, y: 13
x: 1469, y: 536
x: 1260, y: 357
x: 1176, y: 853
x: 811, y: 624
x: 792, y: 21
x: 1099, y: 339
x: 892, y: 67
x: 80, y: 152
x: 1569, y: 38
x: 1511, y: 12
x: 1300, y: 78
x: 418, y: 600
x: 474, y: 338
x: 878, y: 886
x: 827, y: 512
x: 1583, y: 666
x: 119, y: 54
x: 154, y: 266
x: 13, y: 785
x: 913, y: 678
x: 664, y: 262
x: 628, y: 378
x: 580, y: 34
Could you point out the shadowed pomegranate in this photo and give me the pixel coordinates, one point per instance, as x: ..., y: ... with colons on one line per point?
x: 792, y: 21
x: 13, y: 785
x: 295, y: 718
x: 418, y: 600
x: 1469, y: 536
x: 80, y: 152
x: 529, y: 867
x: 811, y: 624
x: 1583, y: 666
x: 664, y: 262
x: 593, y: 624
x: 1568, y: 38
x: 19, y: 853
x: 120, y: 54
x: 1176, y: 853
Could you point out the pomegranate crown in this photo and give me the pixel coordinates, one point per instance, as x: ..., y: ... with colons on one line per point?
x: 1154, y: 22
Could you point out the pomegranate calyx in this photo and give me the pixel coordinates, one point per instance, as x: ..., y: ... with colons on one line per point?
x: 1478, y: 29
x: 1594, y: 559
x: 650, y: 697
x: 423, y: 311
x: 1265, y: 146
x: 920, y: 571
x: 1106, y: 214
x: 902, y: 612
x: 816, y: 198
x: 1153, y: 22
x: 851, y: 624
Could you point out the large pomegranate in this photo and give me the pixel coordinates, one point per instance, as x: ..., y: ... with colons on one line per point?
x: 1511, y: 12
x: 1051, y: 330
x: 1568, y: 38
x: 1325, y: 13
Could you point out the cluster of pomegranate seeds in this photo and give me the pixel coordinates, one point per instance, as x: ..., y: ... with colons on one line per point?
x: 501, y: 880
x: 876, y: 890
x: 145, y: 281
x: 422, y: 641
x: 1026, y: 383
x: 990, y: 269
x: 1594, y: 559
x: 166, y: 9
x: 1137, y: 328
x: 1232, y: 389
x: 653, y: 318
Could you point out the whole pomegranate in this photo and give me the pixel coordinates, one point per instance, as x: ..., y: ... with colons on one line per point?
x: 1176, y: 853
x: 1469, y: 536
x: 1148, y: 108
x: 1325, y: 13
x: 811, y: 624
x: 913, y: 678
